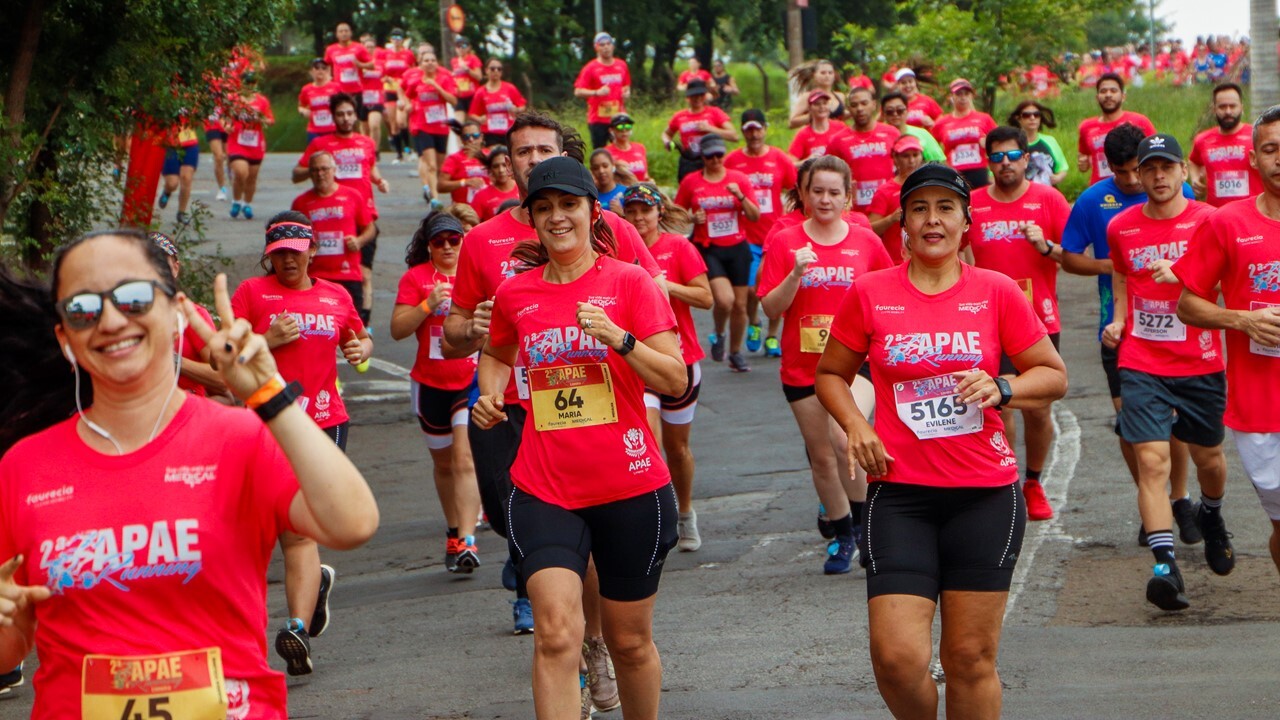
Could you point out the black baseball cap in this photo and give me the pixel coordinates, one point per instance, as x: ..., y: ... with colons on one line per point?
x: 754, y: 115
x: 621, y: 119
x: 561, y: 173
x: 1159, y: 145
x: 442, y: 222
x: 319, y: 62
x: 711, y: 145
x: 695, y: 87
x: 935, y: 175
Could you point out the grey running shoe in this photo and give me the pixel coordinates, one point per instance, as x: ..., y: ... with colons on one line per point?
x: 601, y: 679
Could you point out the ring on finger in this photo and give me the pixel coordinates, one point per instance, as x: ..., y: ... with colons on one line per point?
x: 586, y: 323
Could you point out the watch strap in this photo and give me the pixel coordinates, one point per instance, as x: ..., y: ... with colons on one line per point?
x: 279, y: 402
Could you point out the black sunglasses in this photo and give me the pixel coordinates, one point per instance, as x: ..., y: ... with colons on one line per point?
x: 1028, y: 114
x: 133, y: 298
x: 454, y: 240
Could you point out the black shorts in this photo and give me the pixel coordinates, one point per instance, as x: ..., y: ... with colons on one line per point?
x: 493, y: 451
x: 251, y: 161
x: 686, y: 165
x: 390, y: 98
x: 691, y: 391
x: 426, y: 141
x: 338, y: 434
x: 463, y: 104
x: 211, y: 135
x: 491, y: 139
x: 1006, y: 363
x: 436, y: 408
x: 599, y: 134
x: 977, y: 177
x: 368, y: 251
x: 922, y: 540
x: 1111, y: 366
x: 796, y: 393
x: 729, y: 261
x: 362, y: 112
x: 1188, y: 408
x: 628, y: 539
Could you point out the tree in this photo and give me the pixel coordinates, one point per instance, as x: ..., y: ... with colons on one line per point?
x: 1265, y: 75
x: 1118, y: 26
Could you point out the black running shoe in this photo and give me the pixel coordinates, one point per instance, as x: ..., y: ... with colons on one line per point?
x: 293, y: 646
x: 1184, y: 513
x: 1218, y: 552
x: 1165, y: 589
x: 11, y: 680
x: 1142, y: 537
x: 320, y: 618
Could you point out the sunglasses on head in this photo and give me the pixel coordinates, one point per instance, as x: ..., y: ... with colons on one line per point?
x: 1029, y: 114
x: 623, y: 126
x: 471, y: 136
x: 1012, y: 155
x: 454, y: 239
x: 133, y: 298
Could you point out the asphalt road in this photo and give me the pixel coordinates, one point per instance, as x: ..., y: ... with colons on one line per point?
x: 748, y: 626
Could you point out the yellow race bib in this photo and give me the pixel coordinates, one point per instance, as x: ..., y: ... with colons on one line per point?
x: 186, y: 685
x: 814, y: 331
x: 572, y: 396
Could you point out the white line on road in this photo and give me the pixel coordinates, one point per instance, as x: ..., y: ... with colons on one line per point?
x: 389, y: 368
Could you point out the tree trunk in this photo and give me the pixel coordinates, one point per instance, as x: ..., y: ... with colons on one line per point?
x: 704, y: 50
x: 15, y: 100
x: 661, y: 77
x: 40, y: 222
x: 764, y: 83
x: 1264, y: 89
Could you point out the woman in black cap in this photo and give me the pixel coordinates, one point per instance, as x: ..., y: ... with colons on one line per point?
x: 944, y: 516
x: 588, y: 333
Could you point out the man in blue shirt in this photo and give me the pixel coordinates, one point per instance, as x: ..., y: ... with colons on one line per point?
x: 1087, y: 229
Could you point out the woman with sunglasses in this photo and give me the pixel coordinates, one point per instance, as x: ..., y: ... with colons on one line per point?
x: 495, y: 104
x: 1047, y: 164
x: 463, y: 173
x: 625, y: 151
x: 611, y: 179
x: 440, y: 389
x: 94, y: 583
x: 501, y: 187
x: 589, y: 480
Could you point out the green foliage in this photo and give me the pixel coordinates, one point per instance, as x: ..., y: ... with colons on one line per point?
x: 1113, y: 27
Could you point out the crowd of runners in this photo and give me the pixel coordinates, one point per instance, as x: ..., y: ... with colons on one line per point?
x: 905, y: 259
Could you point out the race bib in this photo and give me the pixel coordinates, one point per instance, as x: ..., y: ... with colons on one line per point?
x: 371, y: 97
x: 1025, y: 284
x: 348, y: 171
x: 249, y: 138
x: 572, y: 396
x: 322, y: 118
x: 499, y: 121
x: 522, y: 381
x: 814, y: 331
x: 764, y: 198
x: 436, y: 348
x: 1104, y: 167
x: 722, y: 224
x: 187, y: 136
x: 187, y: 685
x: 1254, y: 347
x: 349, y: 75
x: 464, y: 81
x: 329, y: 242
x: 1157, y: 320
x: 866, y: 191
x: 1231, y: 184
x: 609, y: 108
x: 436, y: 114
x: 471, y: 193
x: 931, y: 408
x: 967, y: 154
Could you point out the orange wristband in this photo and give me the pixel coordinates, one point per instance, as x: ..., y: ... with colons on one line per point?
x: 425, y: 306
x: 269, y: 389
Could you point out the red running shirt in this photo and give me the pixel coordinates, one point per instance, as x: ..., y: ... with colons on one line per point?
x: 334, y: 218
x: 248, y: 137
x: 1155, y: 340
x: 326, y: 318
x: 961, y: 139
x: 685, y: 124
x: 870, y: 160
x: 1239, y: 247
x: 726, y: 223
x: 634, y: 158
x: 430, y: 367
x: 595, y: 75
x: 1093, y: 131
x: 682, y: 262
x: 583, y: 394
x: 192, y: 346
x: 371, y: 83
x: 316, y: 98
x: 206, y: 501
x: 355, y: 156
x: 770, y: 175
x: 822, y: 289
x: 920, y: 107
x: 461, y: 166
x: 343, y: 60
x: 1225, y: 158
x: 884, y: 203
x: 462, y: 77
x: 999, y: 244
x: 913, y: 342
x: 497, y: 106
x: 489, y: 199
x: 810, y: 143
x: 430, y: 113
x: 395, y: 62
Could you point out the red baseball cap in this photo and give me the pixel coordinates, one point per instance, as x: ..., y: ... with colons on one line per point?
x: 960, y: 84
x: 906, y: 143
x: 817, y: 95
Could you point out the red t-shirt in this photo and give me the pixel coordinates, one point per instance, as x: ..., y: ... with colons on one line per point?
x: 961, y: 139
x: 1155, y: 340
x: 1093, y: 131
x: 884, y: 203
x: 582, y: 393
x: 489, y: 199
x: 462, y: 78
x: 913, y: 342
x: 334, y: 218
x: 634, y: 158
x: 371, y: 83
x: 460, y: 166
x: 685, y: 123
x: 810, y: 143
x: 822, y: 289
x: 248, y: 136
x: 795, y: 217
x: 870, y: 159
x: 430, y: 367
x: 1225, y: 159
x: 135, y: 549
x: 999, y: 244
x: 1239, y: 247
x: 395, y: 62
x: 682, y: 262
x: 343, y: 59
x: 192, y: 346
x: 326, y: 318
x: 595, y: 75
x: 725, y: 225
x: 316, y: 97
x: 922, y: 106
x: 356, y: 156
x: 702, y: 75
x: 497, y: 106
x: 861, y: 81
x: 430, y: 111
x: 770, y: 174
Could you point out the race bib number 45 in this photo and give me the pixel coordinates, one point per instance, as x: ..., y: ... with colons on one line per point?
x: 186, y: 685
x: 572, y: 396
x: 931, y: 408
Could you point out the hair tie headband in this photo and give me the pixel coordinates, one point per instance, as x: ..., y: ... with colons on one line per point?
x: 288, y: 231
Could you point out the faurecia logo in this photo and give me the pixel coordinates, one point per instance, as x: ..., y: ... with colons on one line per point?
x: 50, y: 497
x: 191, y: 475
x: 891, y: 309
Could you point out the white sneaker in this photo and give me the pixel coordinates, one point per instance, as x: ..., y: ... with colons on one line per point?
x: 687, y: 526
x: 222, y: 195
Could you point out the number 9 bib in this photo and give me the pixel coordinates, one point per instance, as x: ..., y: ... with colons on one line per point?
x: 814, y: 331
x: 931, y: 408
x: 185, y: 685
x: 572, y: 396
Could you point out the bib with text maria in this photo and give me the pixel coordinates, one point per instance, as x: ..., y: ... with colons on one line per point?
x: 572, y: 396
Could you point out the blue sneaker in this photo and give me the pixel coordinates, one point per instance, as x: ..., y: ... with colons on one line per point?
x: 509, y: 577
x: 248, y: 212
x: 235, y: 209
x: 717, y: 347
x: 164, y: 200
x: 522, y: 614
x: 753, y: 338
x: 771, y: 347
x: 839, y: 556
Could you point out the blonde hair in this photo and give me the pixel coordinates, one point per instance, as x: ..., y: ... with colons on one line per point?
x: 466, y: 214
x: 801, y: 77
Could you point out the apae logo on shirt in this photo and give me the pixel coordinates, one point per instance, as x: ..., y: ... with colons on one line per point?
x: 568, y: 343
x: 932, y: 348
x: 1265, y: 277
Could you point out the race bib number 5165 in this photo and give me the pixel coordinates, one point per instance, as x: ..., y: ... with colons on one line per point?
x: 931, y: 408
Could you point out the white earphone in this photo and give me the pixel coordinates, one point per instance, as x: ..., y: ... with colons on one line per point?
x: 182, y: 321
x: 66, y: 350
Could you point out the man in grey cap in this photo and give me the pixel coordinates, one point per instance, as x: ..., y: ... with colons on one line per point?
x: 605, y: 82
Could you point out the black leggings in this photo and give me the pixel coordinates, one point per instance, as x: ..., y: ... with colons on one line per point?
x: 338, y: 434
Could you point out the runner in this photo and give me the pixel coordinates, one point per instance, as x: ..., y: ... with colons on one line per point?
x: 1220, y: 169
x: 248, y: 144
x: 347, y: 58
x: 821, y: 134
x: 570, y: 508
x: 209, y: 538
x: 463, y: 173
x: 1093, y: 131
x: 605, y: 82
x: 806, y: 79
x: 1171, y: 374
x: 922, y: 110
x: 467, y: 76
x: 179, y: 170
x: 313, y: 100
x: 694, y: 123
x: 944, y: 517
x: 1087, y: 230
x: 495, y: 103
x: 805, y: 276
x: 625, y: 151
x: 303, y: 321
x: 611, y: 179
x: 465, y: 214
x: 501, y: 187
x: 196, y: 375
x: 866, y: 149
x: 428, y: 91
x: 396, y: 58
x: 962, y: 132
x: 696, y: 72
x: 340, y: 223
x: 726, y: 88
x: 772, y: 172
x: 893, y: 107
x: 885, y: 213
x: 659, y: 222
x: 858, y: 78
x: 717, y: 199
x: 371, y: 108
x: 440, y: 389
x: 1047, y: 164
x: 1236, y: 248
x: 1016, y: 229
x: 215, y: 133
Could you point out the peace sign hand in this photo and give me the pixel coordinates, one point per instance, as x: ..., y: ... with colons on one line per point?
x: 239, y: 354
x: 15, y: 598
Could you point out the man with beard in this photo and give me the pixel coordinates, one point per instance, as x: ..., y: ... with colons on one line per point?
x: 1013, y: 230
x: 867, y: 148
x: 1093, y: 131
x: 1219, y: 167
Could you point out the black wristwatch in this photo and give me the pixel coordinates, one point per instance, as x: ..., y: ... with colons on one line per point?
x: 282, y: 400
x: 628, y: 344
x: 1006, y: 391
x: 1048, y: 248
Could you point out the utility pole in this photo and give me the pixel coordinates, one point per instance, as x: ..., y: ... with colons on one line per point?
x: 599, y: 16
x: 445, y: 52
x: 795, y: 32
x: 1264, y: 88
x: 1151, y: 10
